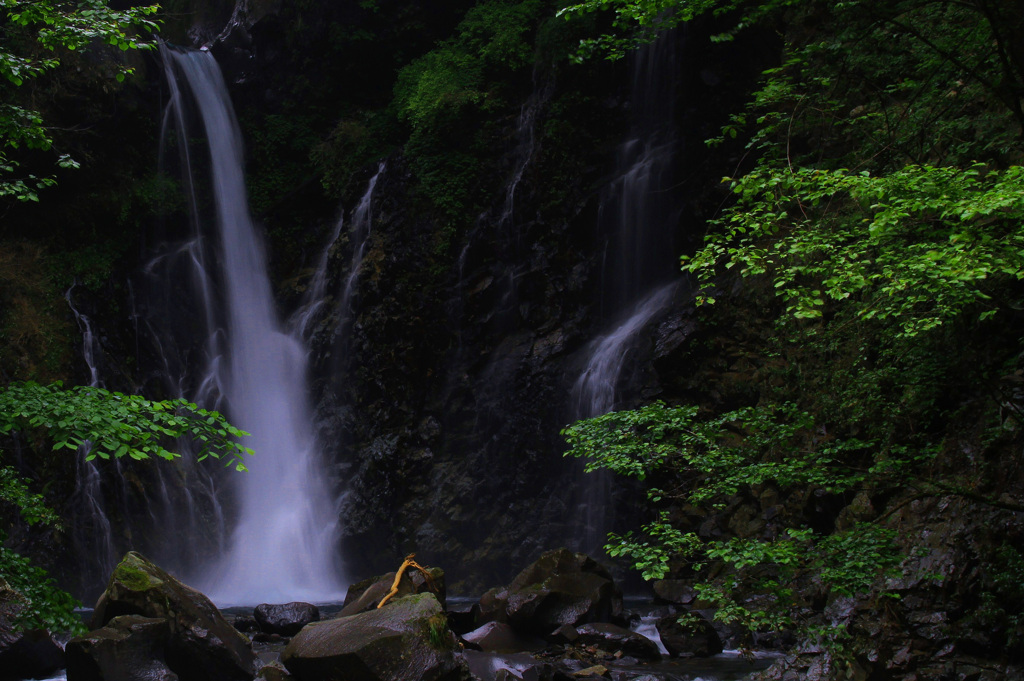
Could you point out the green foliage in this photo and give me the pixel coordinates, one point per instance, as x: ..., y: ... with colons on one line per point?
x: 281, y: 146
x: 438, y: 633
x: 31, y: 507
x: 718, y: 456
x: 713, y: 460
x: 494, y: 35
x: 104, y: 424
x: 873, y: 237
x: 638, y: 22
x: 354, y: 144
x: 48, y: 606
x: 919, y: 246
x: 448, y: 96
x: 35, y: 334
x: 1002, y: 600
x: 652, y: 551
x: 437, y: 86
x: 110, y: 424
x: 36, y: 33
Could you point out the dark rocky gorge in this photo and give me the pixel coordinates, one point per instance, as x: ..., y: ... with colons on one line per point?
x: 554, y: 620
x: 421, y: 288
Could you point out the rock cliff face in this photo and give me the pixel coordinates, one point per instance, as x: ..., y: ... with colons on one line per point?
x: 450, y: 392
x: 443, y: 381
x: 441, y: 385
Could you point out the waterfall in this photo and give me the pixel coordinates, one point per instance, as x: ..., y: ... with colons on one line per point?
x: 638, y: 207
x: 639, y: 214
x: 284, y: 540
x: 92, y: 528
x: 315, y: 297
x: 596, y: 388
x: 526, y: 142
x: 362, y: 223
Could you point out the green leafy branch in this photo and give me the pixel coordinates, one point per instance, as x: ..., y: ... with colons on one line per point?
x: 37, y: 31
x: 110, y: 424
x: 918, y: 246
x: 639, y: 22
x: 32, y: 507
x: 713, y: 459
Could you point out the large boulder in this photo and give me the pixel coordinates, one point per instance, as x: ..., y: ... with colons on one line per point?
x: 286, y: 619
x: 616, y: 639
x: 365, y: 595
x: 273, y: 671
x: 129, y: 648
x: 677, y: 591
x: 202, y: 645
x: 407, y: 640
x: 498, y: 637
x: 560, y: 587
x: 24, y: 653
x: 695, y: 639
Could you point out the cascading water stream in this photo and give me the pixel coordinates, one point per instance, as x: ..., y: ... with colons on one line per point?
x: 315, y: 297
x: 362, y: 224
x: 638, y: 213
x: 596, y: 388
x: 92, y: 527
x: 526, y: 142
x: 283, y: 545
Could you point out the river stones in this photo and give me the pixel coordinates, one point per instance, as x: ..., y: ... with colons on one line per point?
x: 560, y: 587
x: 201, y: 645
x: 407, y: 640
x: 615, y: 639
x: 128, y: 648
x: 285, y: 619
x: 498, y: 637
x: 365, y: 595
x: 700, y: 640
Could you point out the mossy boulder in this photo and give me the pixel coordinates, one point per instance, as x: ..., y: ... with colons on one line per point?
x: 561, y: 587
x: 407, y: 640
x: 365, y: 595
x: 201, y: 645
x: 129, y: 647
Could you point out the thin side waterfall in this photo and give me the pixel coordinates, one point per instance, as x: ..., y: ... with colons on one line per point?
x: 92, y: 528
x: 526, y: 142
x: 638, y: 208
x: 362, y: 224
x: 284, y: 541
x: 596, y: 390
x: 638, y: 215
x: 315, y: 297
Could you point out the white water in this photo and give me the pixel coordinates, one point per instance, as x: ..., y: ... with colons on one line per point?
x: 596, y: 392
x: 283, y: 545
x: 597, y: 387
x: 315, y: 297
x: 526, y: 142
x: 362, y: 224
x: 92, y: 523
x: 637, y: 214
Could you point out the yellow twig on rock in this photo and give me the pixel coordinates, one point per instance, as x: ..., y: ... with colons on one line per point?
x: 406, y: 564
